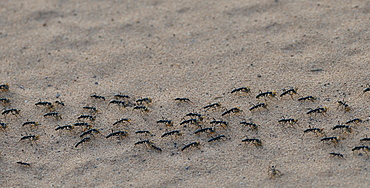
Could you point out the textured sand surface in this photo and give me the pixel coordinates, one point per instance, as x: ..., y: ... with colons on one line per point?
x: 201, y: 50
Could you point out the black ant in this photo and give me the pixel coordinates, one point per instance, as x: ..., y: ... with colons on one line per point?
x: 365, y: 90
x: 308, y: 98
x: 12, y: 111
x: 314, y: 130
x: 90, y: 108
x: 155, y: 147
x: 291, y: 92
x: 121, y: 96
x: 233, y: 110
x: 143, y: 142
x: 356, y: 120
x: 122, y: 103
x: 32, y: 138
x: 142, y: 108
x: 4, y: 87
x: 31, y: 123
x: 44, y: 103
x: 214, y: 105
x: 97, y: 97
x: 190, y: 121
x: 216, y: 138
x: 118, y: 133
x: 364, y: 148
x: 90, y: 132
x: 176, y: 132
x: 222, y: 123
x: 3, y: 126
x: 5, y: 100
x: 252, y: 125
x: 144, y: 100
x: 241, y: 89
x: 266, y: 94
x: 344, y: 105
x: 64, y: 127
x: 54, y: 114
x: 259, y: 105
x: 193, y: 144
x: 318, y: 110
x: 144, y: 132
x: 207, y: 129
x: 182, y: 99
x: 122, y: 120
x: 254, y: 141
x: 88, y: 126
x: 59, y: 103
x: 166, y: 122
x: 346, y: 127
x: 86, y: 139
x: 195, y: 115
x: 23, y: 163
x: 365, y: 139
x: 90, y: 117
x: 289, y: 121
x: 334, y: 139
x: 336, y: 155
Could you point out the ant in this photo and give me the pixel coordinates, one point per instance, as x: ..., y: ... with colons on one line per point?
x: 356, y: 120
x: 222, y: 123
x: 121, y: 96
x: 308, y: 98
x: 142, y: 108
x: 266, y: 94
x: 334, y: 139
x: 344, y: 105
x: 318, y: 110
x: 82, y: 124
x: 336, y: 155
x: 3, y: 126
x: 144, y: 132
x: 259, y: 105
x: 97, y: 97
x: 210, y: 129
x: 190, y: 121
x: 177, y: 132
x: 64, y: 127
x: 365, y: 139
x: 90, y: 131
x: 155, y: 147
x: 31, y: 123
x: 195, y: 115
x: 166, y: 122
x: 252, y: 125
x: 214, y: 105
x: 86, y: 139
x: 5, y: 100
x: 143, y: 142
x: 314, y: 130
x: 118, y: 133
x: 54, y: 114
x: 59, y: 103
x: 12, y: 111
x: 122, y: 120
x: 364, y: 148
x: 254, y: 141
x: 92, y: 118
x: 365, y: 90
x: 346, y: 127
x: 274, y: 173
x: 242, y: 89
x: 291, y: 92
x: 4, y: 87
x: 32, y: 138
x: 193, y: 144
x: 289, y: 121
x: 122, y: 103
x: 216, y: 138
x: 90, y: 108
x: 48, y: 104
x: 233, y: 110
x: 23, y: 163
x: 144, y: 100
x: 182, y: 99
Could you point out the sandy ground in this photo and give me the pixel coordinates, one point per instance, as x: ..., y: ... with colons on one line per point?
x: 201, y: 50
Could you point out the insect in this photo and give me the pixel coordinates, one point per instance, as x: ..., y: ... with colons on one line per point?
x: 314, y: 130
x: 90, y: 131
x: 344, y: 105
x: 252, y: 125
x: 290, y: 121
x: 222, y: 123
x: 80, y: 124
x: 155, y: 147
x: 336, y: 155
x: 308, y: 98
x: 364, y: 148
x: 334, y: 139
x: 44, y: 103
x: 4, y: 87
x: 122, y: 121
x: 11, y: 111
x: 182, y: 99
x: 53, y: 114
x: 259, y: 105
x: 118, y: 133
x: 97, y: 97
x: 193, y: 144
x: 365, y: 139
x: 3, y: 126
x: 90, y: 117
x: 23, y: 163
x: 241, y: 89
x: 346, y: 127
x: 121, y: 96
x: 190, y: 121
x: 200, y: 117
x: 266, y: 94
x: 318, y: 110
x: 214, y: 105
x: 122, y: 103
x: 291, y: 92
x: 274, y: 173
x: 254, y: 141
x: 176, y: 132
x: 59, y: 103
x: 144, y: 100
x: 4, y: 100
x: 233, y: 110
x: 356, y: 120
x: 365, y: 90
x: 216, y: 138
x: 30, y: 137
x: 64, y: 127
x: 86, y: 139
x: 142, y: 108
x: 143, y: 142
x: 207, y: 129
x: 166, y: 122
x: 90, y: 108
x: 144, y: 132
x: 31, y: 123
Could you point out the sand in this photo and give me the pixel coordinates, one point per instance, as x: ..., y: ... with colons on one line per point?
x: 200, y: 50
